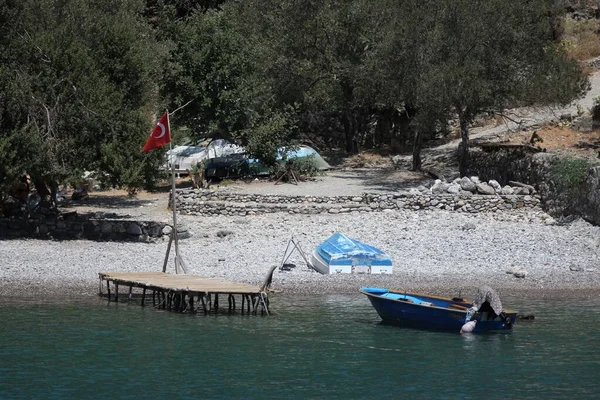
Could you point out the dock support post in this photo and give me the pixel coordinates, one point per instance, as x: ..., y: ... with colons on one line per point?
x: 108, y: 289
x: 116, y: 292
x: 154, y: 298
x: 130, y: 294
x: 143, y: 296
x: 204, y: 304
x: 216, y: 302
x: 191, y: 302
x: 100, y: 286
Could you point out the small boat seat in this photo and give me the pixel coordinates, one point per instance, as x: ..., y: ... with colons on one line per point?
x: 457, y: 307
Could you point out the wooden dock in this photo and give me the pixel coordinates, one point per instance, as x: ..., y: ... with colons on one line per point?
x: 182, y: 292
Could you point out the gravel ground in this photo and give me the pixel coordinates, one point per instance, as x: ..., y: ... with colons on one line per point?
x: 434, y: 251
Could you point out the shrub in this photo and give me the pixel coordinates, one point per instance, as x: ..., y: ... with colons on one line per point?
x: 571, y: 173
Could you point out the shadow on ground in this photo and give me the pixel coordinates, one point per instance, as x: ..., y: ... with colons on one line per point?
x: 382, y: 179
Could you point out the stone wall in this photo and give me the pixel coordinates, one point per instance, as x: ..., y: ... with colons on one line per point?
x: 539, y: 170
x: 210, y: 202
x: 73, y: 226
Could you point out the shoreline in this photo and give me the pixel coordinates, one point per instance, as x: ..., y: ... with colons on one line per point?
x: 433, y: 252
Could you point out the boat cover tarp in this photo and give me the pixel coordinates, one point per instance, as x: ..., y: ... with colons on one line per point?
x: 305, y: 152
x: 185, y: 157
x: 342, y: 250
x: 486, y: 293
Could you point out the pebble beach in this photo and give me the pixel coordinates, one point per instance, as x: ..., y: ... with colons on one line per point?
x: 441, y: 252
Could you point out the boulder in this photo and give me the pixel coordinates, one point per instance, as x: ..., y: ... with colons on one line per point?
x: 439, y: 187
x: 495, y: 185
x: 467, y: 184
x: 507, y: 190
x: 454, y: 188
x: 484, y: 188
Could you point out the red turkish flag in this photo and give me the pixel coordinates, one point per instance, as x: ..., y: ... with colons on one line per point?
x: 160, y: 134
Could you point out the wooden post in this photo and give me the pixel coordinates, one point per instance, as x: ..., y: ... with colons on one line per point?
x: 243, y: 301
x: 233, y: 299
x: 154, y: 298
x: 116, y: 292
x: 229, y: 302
x: 108, y: 289
x: 216, y: 302
x: 168, y: 251
x: 130, y: 289
x: 209, y: 302
x: 204, y: 304
x: 100, y: 286
x: 143, y: 296
x: 191, y: 297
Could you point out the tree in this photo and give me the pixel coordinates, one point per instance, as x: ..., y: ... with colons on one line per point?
x: 314, y: 54
x: 77, y: 91
x: 497, y: 55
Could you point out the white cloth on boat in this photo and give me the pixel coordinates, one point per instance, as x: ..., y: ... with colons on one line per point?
x: 486, y: 293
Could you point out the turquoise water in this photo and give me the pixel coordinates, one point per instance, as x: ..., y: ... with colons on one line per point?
x: 314, y: 348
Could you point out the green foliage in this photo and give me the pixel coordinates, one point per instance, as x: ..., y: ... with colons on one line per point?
x: 571, y: 173
x: 270, y: 132
x: 77, y: 88
x: 302, y: 167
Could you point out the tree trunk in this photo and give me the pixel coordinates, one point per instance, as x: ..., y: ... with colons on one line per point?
x: 348, y: 118
x: 383, y: 130
x: 417, y: 145
x: 463, y: 156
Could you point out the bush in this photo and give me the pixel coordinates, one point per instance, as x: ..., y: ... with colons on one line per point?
x: 571, y: 173
x: 301, y: 167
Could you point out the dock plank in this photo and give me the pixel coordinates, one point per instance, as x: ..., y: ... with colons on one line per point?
x: 179, y: 282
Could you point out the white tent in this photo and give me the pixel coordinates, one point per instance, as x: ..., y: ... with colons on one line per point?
x: 185, y: 157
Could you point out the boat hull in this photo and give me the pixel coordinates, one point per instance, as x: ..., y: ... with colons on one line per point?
x: 432, y: 313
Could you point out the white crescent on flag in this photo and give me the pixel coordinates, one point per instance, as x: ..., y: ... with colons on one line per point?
x: 163, y: 130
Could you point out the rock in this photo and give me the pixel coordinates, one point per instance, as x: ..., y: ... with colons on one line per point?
x: 468, y: 227
x: 576, y: 268
x: 520, y: 273
x: 475, y: 179
x: 439, y: 187
x: 529, y: 188
x: 223, y: 233
x: 495, y: 185
x: 167, y: 230
x: 334, y: 211
x: 467, y: 185
x: 484, y: 188
x: 521, y: 191
x: 134, y: 229
x: 454, y: 189
x: 507, y: 190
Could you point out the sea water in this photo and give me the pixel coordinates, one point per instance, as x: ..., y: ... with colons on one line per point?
x: 324, y: 347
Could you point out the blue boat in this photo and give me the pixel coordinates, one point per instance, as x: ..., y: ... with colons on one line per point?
x: 439, y: 313
x: 340, y: 254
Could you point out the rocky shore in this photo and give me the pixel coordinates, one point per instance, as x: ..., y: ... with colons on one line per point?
x: 515, y: 251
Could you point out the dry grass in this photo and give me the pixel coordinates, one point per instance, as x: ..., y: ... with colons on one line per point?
x: 555, y: 138
x: 581, y: 39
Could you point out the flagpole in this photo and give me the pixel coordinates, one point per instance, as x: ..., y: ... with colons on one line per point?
x: 173, y: 198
